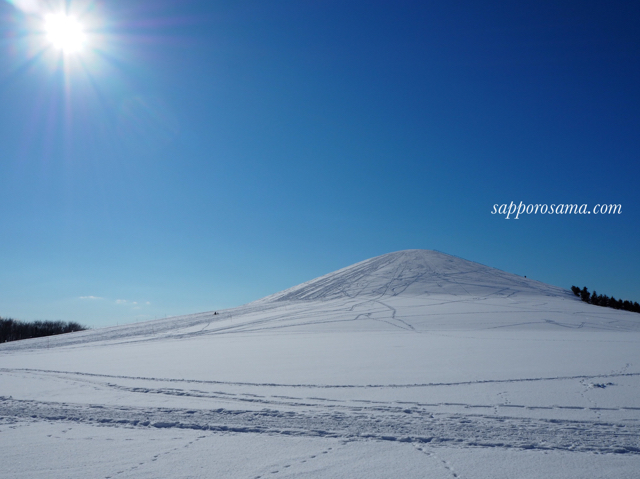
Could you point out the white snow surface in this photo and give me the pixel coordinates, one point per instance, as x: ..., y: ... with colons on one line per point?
x: 411, y: 364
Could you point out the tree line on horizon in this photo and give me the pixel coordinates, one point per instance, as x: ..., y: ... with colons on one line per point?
x: 606, y: 301
x: 14, y: 330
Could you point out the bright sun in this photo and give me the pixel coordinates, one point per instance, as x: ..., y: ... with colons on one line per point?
x: 65, y: 33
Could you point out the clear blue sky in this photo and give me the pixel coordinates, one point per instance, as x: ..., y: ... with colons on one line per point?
x: 197, y: 155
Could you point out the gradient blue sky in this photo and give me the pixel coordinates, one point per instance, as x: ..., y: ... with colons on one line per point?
x: 202, y: 154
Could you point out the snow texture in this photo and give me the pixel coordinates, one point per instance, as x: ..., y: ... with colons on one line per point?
x: 411, y: 364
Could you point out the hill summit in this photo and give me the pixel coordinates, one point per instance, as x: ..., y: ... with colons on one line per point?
x: 415, y: 272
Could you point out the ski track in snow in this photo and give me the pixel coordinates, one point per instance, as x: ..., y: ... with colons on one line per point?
x: 333, y: 386
x: 480, y: 425
x: 409, y: 425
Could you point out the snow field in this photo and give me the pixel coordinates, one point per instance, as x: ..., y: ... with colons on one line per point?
x: 53, y: 450
x: 413, y: 364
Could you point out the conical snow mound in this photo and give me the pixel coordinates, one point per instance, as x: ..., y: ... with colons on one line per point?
x: 412, y: 291
x: 415, y: 273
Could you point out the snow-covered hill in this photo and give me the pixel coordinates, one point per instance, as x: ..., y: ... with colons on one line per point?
x: 415, y: 273
x: 410, y: 364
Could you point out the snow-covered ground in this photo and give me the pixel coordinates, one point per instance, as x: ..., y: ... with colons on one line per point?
x: 411, y: 364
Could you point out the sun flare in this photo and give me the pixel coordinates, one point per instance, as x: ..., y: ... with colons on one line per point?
x: 65, y: 33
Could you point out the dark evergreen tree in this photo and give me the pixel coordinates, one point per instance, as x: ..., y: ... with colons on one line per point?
x: 594, y: 298
x: 584, y: 295
x: 575, y: 290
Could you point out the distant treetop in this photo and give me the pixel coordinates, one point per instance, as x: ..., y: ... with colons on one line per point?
x: 14, y: 330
